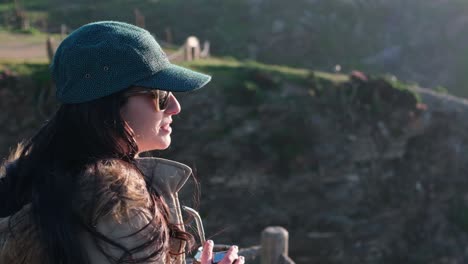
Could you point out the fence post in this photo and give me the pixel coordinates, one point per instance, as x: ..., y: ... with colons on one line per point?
x: 139, y: 18
x: 192, y: 49
x: 274, y: 246
x: 50, y: 47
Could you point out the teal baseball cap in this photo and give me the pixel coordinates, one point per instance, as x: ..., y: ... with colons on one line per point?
x: 102, y: 58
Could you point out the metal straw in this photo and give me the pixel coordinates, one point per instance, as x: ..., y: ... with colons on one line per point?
x: 198, y: 221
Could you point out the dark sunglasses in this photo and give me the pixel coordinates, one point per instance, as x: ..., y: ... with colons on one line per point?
x: 162, y: 97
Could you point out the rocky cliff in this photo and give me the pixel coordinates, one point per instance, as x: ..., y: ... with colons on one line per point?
x: 359, y: 169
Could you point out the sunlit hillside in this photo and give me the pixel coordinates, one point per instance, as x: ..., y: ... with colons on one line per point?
x: 418, y: 41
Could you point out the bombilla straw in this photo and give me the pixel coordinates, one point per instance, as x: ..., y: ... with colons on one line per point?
x: 198, y: 221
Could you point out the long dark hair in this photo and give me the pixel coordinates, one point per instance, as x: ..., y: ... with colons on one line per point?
x: 45, y: 174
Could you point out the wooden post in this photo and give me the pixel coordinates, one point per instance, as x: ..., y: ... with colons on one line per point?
x: 21, y: 18
x: 192, y: 49
x: 50, y: 48
x: 168, y: 35
x: 139, y: 18
x: 275, y: 246
x: 205, y: 52
x: 63, y: 31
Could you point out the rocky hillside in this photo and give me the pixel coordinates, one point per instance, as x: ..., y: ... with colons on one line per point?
x: 359, y: 169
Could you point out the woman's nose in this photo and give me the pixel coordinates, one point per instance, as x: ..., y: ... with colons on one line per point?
x: 173, y: 107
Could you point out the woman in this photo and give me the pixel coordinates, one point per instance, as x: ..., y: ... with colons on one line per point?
x: 77, y: 191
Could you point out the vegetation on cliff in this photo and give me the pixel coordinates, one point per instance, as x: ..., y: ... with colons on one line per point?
x: 357, y: 168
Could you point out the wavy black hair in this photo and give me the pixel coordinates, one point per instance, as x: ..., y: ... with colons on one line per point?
x: 77, y: 136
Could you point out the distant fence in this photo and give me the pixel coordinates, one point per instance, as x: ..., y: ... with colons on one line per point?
x: 191, y: 50
x: 273, y: 249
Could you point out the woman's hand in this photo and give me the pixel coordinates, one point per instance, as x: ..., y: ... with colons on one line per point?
x: 231, y: 256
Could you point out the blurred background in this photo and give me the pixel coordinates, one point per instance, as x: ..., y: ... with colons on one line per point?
x: 343, y: 121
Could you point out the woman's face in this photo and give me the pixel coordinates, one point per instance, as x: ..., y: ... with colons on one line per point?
x: 151, y: 127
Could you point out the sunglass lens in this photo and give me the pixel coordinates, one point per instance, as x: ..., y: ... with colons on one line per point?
x: 163, y: 99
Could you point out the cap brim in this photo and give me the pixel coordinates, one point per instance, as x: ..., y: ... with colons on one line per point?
x: 175, y: 79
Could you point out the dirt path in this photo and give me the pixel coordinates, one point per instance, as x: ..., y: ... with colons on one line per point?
x: 14, y: 46
x: 26, y: 52
x: 32, y: 47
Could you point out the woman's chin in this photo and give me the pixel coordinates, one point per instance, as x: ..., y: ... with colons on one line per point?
x: 165, y: 147
x: 165, y: 143
x: 162, y: 144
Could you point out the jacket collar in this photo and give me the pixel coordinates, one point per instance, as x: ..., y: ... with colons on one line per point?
x: 166, y: 176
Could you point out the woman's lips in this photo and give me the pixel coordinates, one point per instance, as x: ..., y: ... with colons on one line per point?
x: 166, y: 128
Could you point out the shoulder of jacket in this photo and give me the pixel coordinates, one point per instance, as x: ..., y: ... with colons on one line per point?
x: 19, y: 241
x: 111, y: 188
x: 114, y: 199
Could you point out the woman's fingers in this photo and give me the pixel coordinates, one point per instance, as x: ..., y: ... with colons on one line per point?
x: 240, y: 260
x: 231, y: 256
x: 207, y: 254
